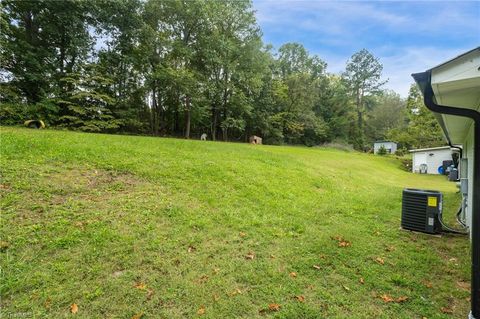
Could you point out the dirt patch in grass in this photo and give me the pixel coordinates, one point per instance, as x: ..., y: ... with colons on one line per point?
x: 88, y: 183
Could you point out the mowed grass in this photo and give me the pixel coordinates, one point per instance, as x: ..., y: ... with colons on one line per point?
x: 168, y: 228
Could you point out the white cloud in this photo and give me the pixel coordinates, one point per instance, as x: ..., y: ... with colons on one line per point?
x: 407, y: 36
x: 399, y: 66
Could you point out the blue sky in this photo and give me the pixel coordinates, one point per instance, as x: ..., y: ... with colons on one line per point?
x: 407, y: 36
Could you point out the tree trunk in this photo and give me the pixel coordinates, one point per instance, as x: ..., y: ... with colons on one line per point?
x: 359, y: 112
x: 156, y: 113
x: 214, y: 123
x: 187, y: 117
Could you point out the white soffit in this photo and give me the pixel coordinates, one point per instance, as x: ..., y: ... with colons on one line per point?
x: 457, y: 84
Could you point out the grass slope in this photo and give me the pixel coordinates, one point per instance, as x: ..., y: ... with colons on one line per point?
x: 124, y: 226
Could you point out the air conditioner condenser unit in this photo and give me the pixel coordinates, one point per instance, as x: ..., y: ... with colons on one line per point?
x: 421, y: 210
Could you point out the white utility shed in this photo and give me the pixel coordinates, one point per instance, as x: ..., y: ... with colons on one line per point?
x: 390, y: 146
x: 432, y: 157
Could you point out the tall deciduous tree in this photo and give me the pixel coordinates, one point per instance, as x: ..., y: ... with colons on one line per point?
x: 363, y: 78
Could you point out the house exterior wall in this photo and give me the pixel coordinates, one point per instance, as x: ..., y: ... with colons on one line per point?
x: 468, y: 153
x: 392, y: 146
x: 433, y: 159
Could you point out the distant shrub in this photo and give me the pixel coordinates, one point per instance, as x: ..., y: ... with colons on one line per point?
x: 405, y: 163
x: 382, y: 150
x: 401, y: 151
x: 18, y: 113
x: 12, y: 114
x: 339, y: 145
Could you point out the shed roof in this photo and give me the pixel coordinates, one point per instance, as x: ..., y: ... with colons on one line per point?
x: 430, y: 149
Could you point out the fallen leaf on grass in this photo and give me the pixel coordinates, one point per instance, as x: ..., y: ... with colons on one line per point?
x: 317, y: 267
x: 428, y: 284
x: 48, y: 303
x: 138, y: 315
x: 150, y: 293
x: 242, y: 234
x: 201, y: 311
x: 191, y: 249
x: 79, y: 224
x: 380, y: 261
x: 293, y: 274
x: 463, y: 285
x: 272, y: 256
x: 74, y: 308
x: 203, y: 279
x: 361, y: 280
x: 235, y: 292
x: 446, y: 310
x: 401, y: 299
x: 274, y: 307
x: 300, y: 298
x: 346, y: 288
x: 343, y: 243
x: 390, y: 248
x: 140, y: 285
x: 250, y: 256
x: 216, y: 297
x: 387, y: 298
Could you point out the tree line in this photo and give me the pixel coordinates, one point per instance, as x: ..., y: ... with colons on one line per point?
x: 187, y: 67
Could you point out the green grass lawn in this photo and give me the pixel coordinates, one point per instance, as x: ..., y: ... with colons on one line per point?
x: 168, y: 228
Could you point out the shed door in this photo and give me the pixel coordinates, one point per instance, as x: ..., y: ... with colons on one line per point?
x: 420, y: 158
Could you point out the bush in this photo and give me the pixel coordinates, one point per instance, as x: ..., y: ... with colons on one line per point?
x: 401, y: 151
x: 382, y: 150
x: 13, y: 114
x: 339, y: 145
x: 18, y: 113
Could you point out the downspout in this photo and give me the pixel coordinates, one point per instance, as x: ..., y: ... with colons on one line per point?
x: 424, y: 81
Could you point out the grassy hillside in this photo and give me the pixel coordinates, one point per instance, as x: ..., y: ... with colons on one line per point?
x: 124, y: 226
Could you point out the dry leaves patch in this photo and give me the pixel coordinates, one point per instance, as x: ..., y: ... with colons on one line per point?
x: 300, y: 298
x: 428, y: 284
x: 274, y: 307
x: 387, y: 298
x: 138, y: 315
x: 237, y: 291
x: 250, y: 255
x: 140, y: 285
x: 446, y: 310
x: 201, y: 310
x: 341, y: 241
x: 463, y: 285
x: 74, y: 308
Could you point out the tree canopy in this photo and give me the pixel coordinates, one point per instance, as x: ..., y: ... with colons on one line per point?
x: 187, y: 67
